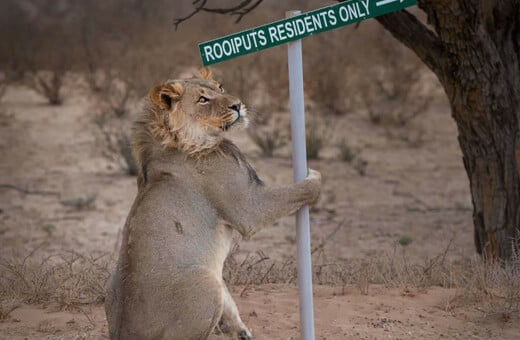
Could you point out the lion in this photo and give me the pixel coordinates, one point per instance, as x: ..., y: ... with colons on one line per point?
x: 195, y: 187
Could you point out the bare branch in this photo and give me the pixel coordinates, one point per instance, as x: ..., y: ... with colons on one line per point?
x: 240, y: 10
x: 406, y: 28
x: 197, y: 9
x: 228, y: 10
x: 243, y: 12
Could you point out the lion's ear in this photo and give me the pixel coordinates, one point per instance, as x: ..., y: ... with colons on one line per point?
x: 164, y: 96
x: 205, y: 73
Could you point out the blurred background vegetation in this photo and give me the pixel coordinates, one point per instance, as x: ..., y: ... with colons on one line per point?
x: 124, y: 47
x: 116, y: 50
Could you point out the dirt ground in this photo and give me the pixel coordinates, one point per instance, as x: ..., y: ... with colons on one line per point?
x: 271, y: 312
x: 58, y: 191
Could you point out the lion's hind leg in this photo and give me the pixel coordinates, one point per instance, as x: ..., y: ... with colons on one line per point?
x: 230, y: 322
x: 196, y: 306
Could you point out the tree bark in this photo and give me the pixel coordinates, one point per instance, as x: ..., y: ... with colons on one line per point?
x: 474, y: 49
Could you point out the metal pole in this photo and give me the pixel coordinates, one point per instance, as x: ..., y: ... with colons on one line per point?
x: 299, y: 153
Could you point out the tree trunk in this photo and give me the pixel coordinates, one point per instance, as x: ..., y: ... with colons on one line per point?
x: 475, y: 52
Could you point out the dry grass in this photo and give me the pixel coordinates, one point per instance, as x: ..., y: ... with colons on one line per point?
x: 491, y: 287
x: 114, y: 135
x: 268, y: 139
x: 70, y: 279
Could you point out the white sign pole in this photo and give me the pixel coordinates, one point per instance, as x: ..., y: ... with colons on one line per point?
x: 300, y: 173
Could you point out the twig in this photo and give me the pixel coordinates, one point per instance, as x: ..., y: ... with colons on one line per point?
x: 440, y: 257
x: 244, y: 290
x: 29, y: 192
x: 243, y: 12
x: 197, y: 9
x: 240, y: 10
x: 328, y: 238
x: 267, y: 273
x: 90, y: 320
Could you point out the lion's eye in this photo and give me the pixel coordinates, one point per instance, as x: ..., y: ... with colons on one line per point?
x: 203, y: 100
x: 221, y: 88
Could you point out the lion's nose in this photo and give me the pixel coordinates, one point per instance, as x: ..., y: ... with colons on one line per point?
x: 235, y: 107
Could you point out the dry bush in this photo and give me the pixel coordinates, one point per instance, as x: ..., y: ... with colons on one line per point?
x: 314, y: 143
x: 39, y: 50
x: 68, y: 278
x: 268, y: 139
x: 274, y: 79
x: 315, y: 136
x: 48, y: 84
x: 491, y: 285
x: 114, y: 138
x: 257, y: 269
x: 346, y: 151
x: 115, y: 97
x: 329, y: 76
x: 18, y: 37
x: 241, y: 80
x: 393, y: 90
x: 49, y: 64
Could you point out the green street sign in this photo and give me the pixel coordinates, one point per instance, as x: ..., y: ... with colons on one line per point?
x: 294, y: 28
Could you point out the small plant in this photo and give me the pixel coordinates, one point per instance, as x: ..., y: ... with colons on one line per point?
x: 48, y: 84
x: 117, y: 97
x: 125, y: 150
x: 268, y: 140
x: 115, y: 140
x: 80, y: 202
x: 49, y: 229
x: 347, y: 153
x: 360, y: 165
x: 314, y: 142
x: 405, y: 240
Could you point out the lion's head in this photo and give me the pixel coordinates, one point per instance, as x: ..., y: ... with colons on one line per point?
x: 189, y: 115
x: 195, y: 112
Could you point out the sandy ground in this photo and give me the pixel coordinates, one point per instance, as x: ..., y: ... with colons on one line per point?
x: 271, y: 312
x: 52, y: 157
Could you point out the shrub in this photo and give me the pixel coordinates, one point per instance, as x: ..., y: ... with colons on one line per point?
x: 268, y: 140
x: 328, y: 80
x: 394, y: 90
x: 48, y: 84
x: 347, y: 153
x: 314, y: 142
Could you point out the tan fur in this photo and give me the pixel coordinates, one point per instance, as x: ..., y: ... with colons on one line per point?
x: 195, y: 188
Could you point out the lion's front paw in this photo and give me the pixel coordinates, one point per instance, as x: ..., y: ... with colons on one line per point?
x: 314, y: 175
x: 314, y: 178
